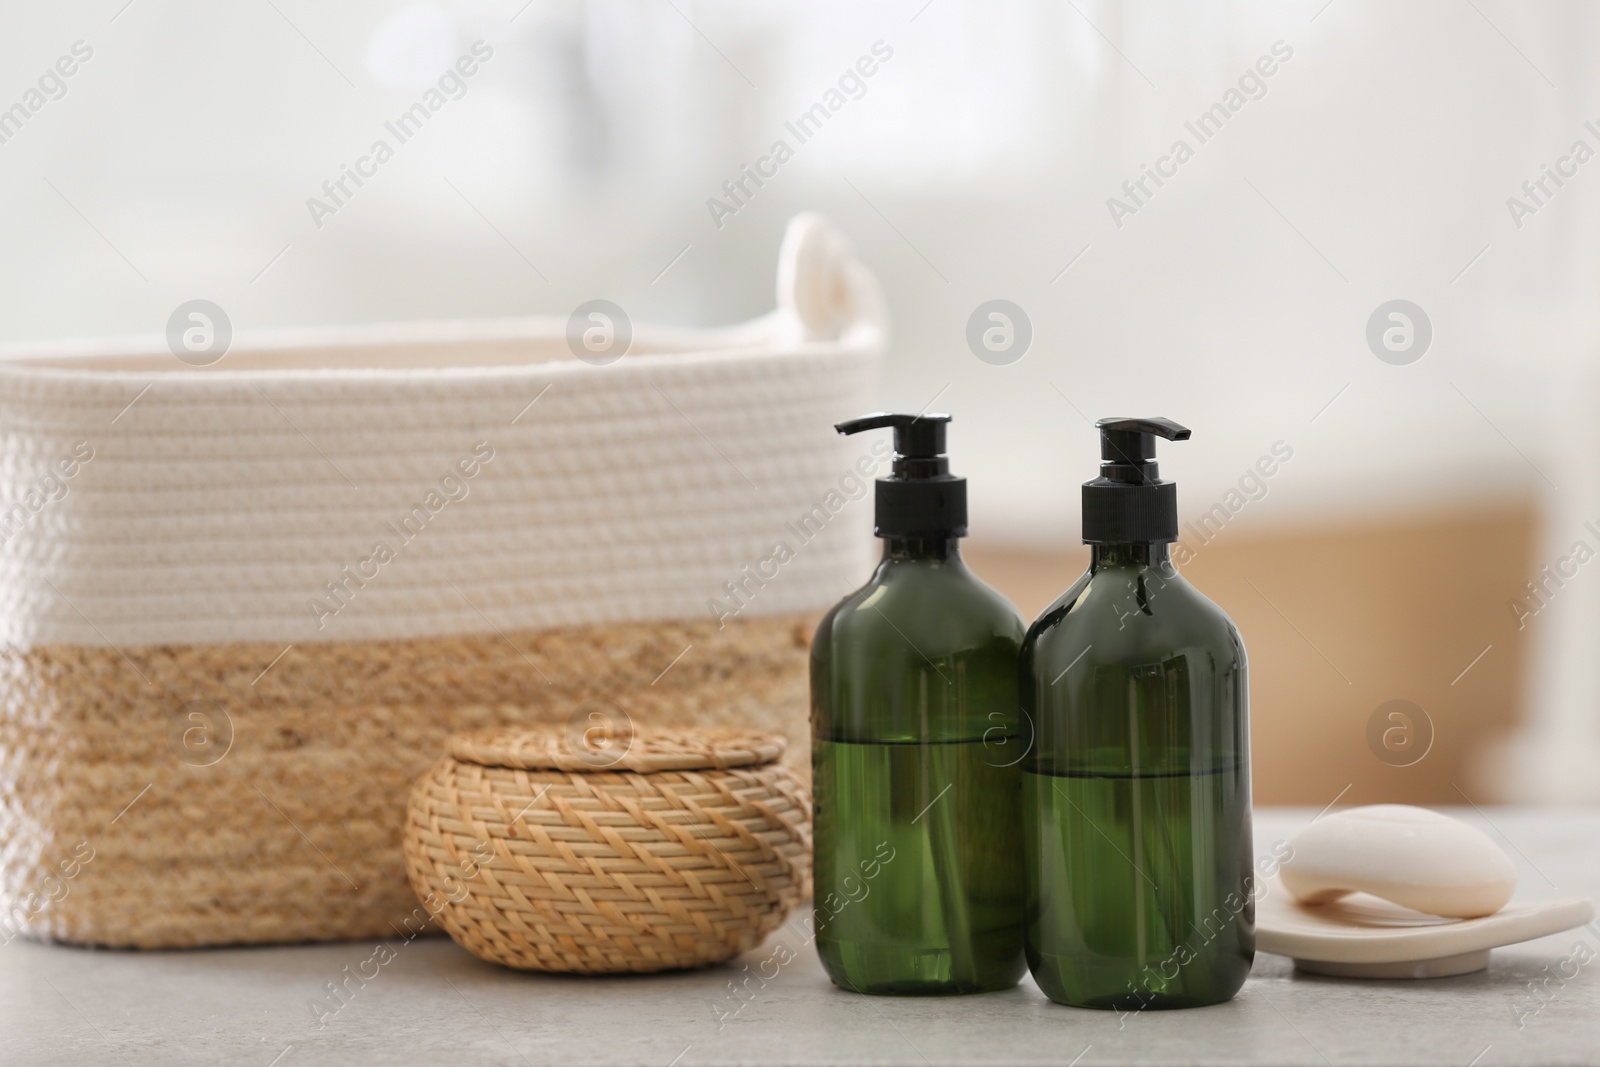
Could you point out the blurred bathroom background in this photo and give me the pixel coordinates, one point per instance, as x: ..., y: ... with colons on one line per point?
x: 1380, y: 573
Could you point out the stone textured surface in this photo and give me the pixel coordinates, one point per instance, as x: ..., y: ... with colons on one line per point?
x: 432, y: 1002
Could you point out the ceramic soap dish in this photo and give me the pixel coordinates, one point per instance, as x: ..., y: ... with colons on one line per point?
x: 1339, y: 904
x: 1363, y: 936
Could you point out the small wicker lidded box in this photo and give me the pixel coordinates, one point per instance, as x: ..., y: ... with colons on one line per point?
x: 550, y: 850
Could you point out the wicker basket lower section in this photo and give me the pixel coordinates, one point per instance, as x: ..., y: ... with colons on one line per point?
x: 277, y: 815
x: 609, y: 873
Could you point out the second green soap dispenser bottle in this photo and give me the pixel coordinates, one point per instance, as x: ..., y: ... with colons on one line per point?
x: 915, y: 746
x: 1136, y: 793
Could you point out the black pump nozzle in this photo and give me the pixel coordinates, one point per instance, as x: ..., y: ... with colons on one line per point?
x: 920, y: 498
x: 1128, y: 447
x: 1128, y: 502
x: 914, y: 435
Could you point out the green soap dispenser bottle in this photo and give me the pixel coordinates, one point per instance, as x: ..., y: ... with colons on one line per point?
x: 1136, y: 793
x: 915, y: 747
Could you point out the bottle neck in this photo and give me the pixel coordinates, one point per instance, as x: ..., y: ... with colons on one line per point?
x: 921, y: 548
x: 1130, y: 554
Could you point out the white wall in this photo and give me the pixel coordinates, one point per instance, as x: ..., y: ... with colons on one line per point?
x: 977, y: 165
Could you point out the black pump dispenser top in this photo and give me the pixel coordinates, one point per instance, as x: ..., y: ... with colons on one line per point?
x: 1128, y: 503
x: 920, y: 498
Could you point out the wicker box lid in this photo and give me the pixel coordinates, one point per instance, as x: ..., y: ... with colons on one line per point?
x: 539, y: 748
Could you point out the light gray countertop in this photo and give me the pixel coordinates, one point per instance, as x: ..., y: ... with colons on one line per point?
x: 435, y: 1003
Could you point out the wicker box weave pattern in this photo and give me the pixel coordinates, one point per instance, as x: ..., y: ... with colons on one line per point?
x: 641, y: 853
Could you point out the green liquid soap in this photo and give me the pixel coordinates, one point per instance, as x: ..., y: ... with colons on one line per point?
x: 927, y: 884
x: 1145, y: 906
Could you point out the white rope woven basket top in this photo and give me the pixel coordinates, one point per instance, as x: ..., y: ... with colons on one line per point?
x: 510, y: 485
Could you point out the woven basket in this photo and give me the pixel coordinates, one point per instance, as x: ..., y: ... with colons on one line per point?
x: 545, y: 850
x: 214, y: 697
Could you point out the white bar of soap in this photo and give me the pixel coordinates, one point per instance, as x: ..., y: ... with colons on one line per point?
x: 1409, y: 856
